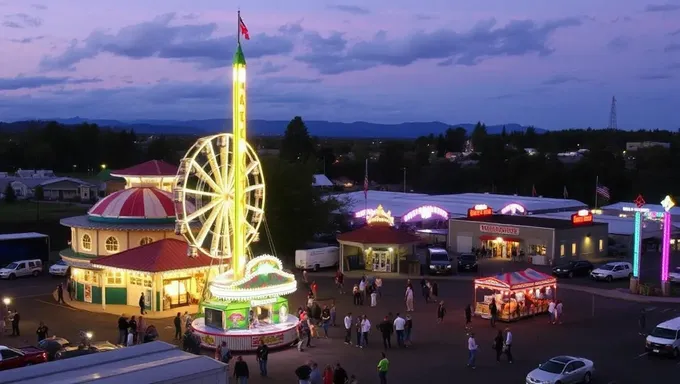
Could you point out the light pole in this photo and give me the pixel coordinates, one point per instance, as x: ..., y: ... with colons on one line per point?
x: 404, y: 169
x: 6, y: 301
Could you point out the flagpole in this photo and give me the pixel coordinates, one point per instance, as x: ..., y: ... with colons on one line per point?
x: 366, y: 190
x: 597, y: 184
x: 238, y: 27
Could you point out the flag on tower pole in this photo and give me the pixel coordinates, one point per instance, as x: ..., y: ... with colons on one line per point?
x: 565, y: 193
x: 242, y: 29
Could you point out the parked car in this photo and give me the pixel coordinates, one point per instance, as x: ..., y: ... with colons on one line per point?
x: 665, y: 339
x: 573, y: 268
x: 20, y: 357
x: 439, y: 261
x: 70, y: 351
x: 612, y: 271
x: 467, y: 262
x: 60, y: 269
x: 563, y: 369
x: 674, y: 277
x: 21, y: 268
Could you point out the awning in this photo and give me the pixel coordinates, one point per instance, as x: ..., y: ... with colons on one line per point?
x: 491, y: 237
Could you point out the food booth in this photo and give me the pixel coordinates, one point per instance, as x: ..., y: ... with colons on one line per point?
x: 517, y: 294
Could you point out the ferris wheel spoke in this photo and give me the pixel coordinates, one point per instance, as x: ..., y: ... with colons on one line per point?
x: 217, y: 231
x: 208, y: 224
x: 251, y: 167
x: 254, y: 209
x: 203, y: 175
x: 254, y: 187
x: 251, y: 228
x: 201, y: 193
x: 212, y: 160
x: 203, y: 210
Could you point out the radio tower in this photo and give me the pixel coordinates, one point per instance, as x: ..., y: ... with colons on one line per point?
x: 612, y: 115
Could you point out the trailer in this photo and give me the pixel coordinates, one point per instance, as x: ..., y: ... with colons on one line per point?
x: 152, y: 363
x: 24, y: 246
x: 317, y: 258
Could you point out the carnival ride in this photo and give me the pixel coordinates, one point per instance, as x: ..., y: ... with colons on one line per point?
x: 220, y: 198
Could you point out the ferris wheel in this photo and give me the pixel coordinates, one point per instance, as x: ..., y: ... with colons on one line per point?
x: 204, y: 196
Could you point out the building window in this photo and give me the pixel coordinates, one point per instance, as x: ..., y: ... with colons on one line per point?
x: 86, y: 242
x: 601, y: 245
x: 145, y: 240
x: 573, y: 249
x: 111, y: 244
x: 561, y: 250
x: 114, y: 278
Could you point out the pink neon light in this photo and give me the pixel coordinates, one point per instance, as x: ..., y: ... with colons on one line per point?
x: 666, y: 247
x: 425, y: 212
x: 513, y: 209
x: 364, y: 213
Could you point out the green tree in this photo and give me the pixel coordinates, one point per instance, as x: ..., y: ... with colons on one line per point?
x: 158, y: 149
x: 10, y: 195
x: 479, y: 136
x: 297, y: 145
x: 39, y: 193
x: 455, y: 139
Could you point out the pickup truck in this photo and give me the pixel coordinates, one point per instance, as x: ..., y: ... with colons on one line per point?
x: 20, y: 357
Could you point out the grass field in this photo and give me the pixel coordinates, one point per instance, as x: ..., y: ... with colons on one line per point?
x: 26, y: 212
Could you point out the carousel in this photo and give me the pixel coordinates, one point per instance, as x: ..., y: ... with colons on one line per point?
x: 220, y: 196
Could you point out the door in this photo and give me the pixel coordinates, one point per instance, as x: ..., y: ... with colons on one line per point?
x: 618, y: 272
x: 22, y: 270
x: 574, y: 372
x: 9, y: 359
x: 380, y: 261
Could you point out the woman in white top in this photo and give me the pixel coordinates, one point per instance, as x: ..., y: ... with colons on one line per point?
x: 409, y: 299
x: 558, y: 312
x: 131, y: 337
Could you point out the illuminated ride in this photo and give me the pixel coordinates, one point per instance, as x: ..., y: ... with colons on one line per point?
x: 222, y: 178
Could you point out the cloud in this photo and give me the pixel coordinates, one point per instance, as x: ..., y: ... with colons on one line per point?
x: 22, y: 20
x: 34, y: 82
x: 619, y: 43
x: 563, y: 79
x: 352, y: 9
x: 158, y: 38
x: 27, y: 40
x: 40, y: 7
x: 655, y: 76
x: 191, y: 16
x: 332, y: 54
x: 623, y: 19
x: 424, y: 17
x: 662, y: 8
x: 268, y: 67
x: 674, y: 66
x: 674, y: 33
x: 675, y: 47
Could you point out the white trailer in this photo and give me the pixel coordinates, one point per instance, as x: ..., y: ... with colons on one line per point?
x: 317, y: 258
x: 151, y: 363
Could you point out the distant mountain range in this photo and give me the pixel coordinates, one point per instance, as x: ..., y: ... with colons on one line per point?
x: 317, y: 128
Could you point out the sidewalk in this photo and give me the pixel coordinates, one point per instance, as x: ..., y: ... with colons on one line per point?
x: 128, y: 310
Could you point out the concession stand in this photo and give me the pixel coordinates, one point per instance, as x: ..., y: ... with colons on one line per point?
x: 517, y: 294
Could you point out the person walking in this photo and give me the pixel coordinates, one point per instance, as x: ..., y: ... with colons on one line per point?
x: 328, y: 375
x: 177, y: 321
x: 383, y: 367
x: 315, y: 290
x: 468, y: 317
x: 435, y: 290
x: 122, y: 329
x: 425, y: 289
x: 132, y: 324
x: 441, y: 311
x: 551, y: 312
x: 472, y: 351
x: 141, y: 326
x: 493, y: 311
x: 356, y: 294
x: 399, y: 324
x: 334, y: 314
x: 374, y: 297
x: 408, y: 297
x: 241, y: 372
x: 42, y: 332
x: 365, y: 329
x: 357, y: 327
x: 508, y: 344
x: 386, y: 329
x: 378, y: 286
x: 16, y: 317
x: 339, y: 375
x: 340, y: 281
x: 325, y: 320
x: 130, y: 341
x: 315, y: 376
x: 347, y: 322
x: 498, y: 345
x: 642, y: 322
x: 60, y: 294
x: 362, y: 290
x: 262, y: 354
x: 558, y: 312
x: 142, y: 304
x: 303, y: 373
x: 408, y: 328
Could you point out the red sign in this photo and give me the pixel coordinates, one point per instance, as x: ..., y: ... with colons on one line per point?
x: 578, y: 219
x: 480, y: 211
x: 499, y: 229
x: 639, y: 201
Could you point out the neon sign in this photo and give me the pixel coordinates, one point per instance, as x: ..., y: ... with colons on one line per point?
x: 582, y: 217
x: 637, y: 242
x: 379, y: 216
x: 513, y: 209
x: 425, y: 212
x: 480, y: 210
x: 667, y: 204
x: 364, y: 213
x: 635, y: 209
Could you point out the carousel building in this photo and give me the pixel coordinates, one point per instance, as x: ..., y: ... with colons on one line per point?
x: 126, y: 245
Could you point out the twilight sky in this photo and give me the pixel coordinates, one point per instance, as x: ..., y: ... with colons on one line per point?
x: 552, y: 64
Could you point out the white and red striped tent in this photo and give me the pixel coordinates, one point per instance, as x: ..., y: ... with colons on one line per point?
x: 527, y: 278
x: 135, y: 203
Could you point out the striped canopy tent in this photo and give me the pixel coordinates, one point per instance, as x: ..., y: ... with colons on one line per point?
x: 528, y: 278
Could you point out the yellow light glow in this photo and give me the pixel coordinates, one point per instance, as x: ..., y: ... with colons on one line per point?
x: 226, y: 288
x: 175, y: 288
x: 239, y: 122
x: 379, y: 216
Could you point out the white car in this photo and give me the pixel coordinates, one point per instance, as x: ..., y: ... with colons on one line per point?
x: 60, y: 269
x: 562, y: 370
x: 665, y: 339
x: 21, y: 268
x: 674, y: 277
x: 612, y: 271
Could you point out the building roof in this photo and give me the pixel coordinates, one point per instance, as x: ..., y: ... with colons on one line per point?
x: 322, y: 180
x: 85, y: 222
x: 621, y: 226
x: 524, y: 279
x: 378, y: 234
x: 456, y: 205
x: 151, y: 168
x: 160, y: 256
x: 32, y: 182
x: 21, y: 236
x: 133, y: 204
x: 628, y: 206
x: 527, y: 221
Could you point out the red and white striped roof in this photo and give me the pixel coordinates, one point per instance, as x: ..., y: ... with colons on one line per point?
x: 135, y: 203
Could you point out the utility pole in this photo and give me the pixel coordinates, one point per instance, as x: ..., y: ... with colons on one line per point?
x: 404, y: 169
x: 612, y: 115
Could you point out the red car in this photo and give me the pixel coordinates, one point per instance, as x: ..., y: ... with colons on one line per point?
x: 20, y: 357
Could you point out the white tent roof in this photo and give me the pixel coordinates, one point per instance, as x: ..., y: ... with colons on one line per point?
x: 623, y: 226
x: 652, y: 207
x: 322, y: 180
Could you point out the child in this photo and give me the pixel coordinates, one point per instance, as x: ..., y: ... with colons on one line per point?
x: 374, y: 298
x: 357, y: 294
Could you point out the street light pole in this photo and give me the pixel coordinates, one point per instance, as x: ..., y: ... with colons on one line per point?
x: 404, y: 169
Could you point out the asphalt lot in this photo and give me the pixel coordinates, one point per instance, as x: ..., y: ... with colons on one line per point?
x: 610, y: 338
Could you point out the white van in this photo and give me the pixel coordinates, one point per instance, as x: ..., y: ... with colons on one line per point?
x: 317, y: 258
x: 21, y: 268
x: 665, y: 339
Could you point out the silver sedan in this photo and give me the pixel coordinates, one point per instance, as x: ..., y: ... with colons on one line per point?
x: 563, y: 370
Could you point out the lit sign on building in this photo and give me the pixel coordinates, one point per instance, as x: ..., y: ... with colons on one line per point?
x: 582, y: 217
x: 364, y: 213
x: 379, y: 216
x: 513, y: 209
x: 425, y: 212
x: 499, y: 229
x: 635, y: 209
x: 480, y: 210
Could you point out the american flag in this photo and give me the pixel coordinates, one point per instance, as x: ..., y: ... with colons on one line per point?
x: 602, y: 191
x: 366, y: 181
